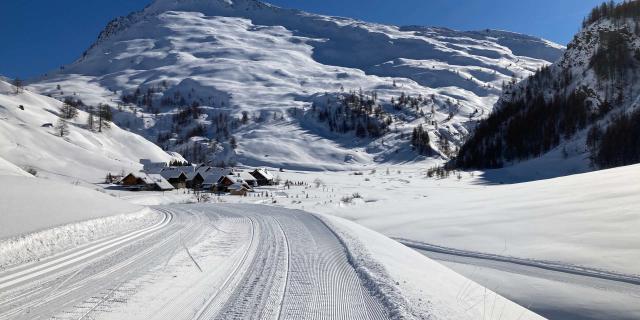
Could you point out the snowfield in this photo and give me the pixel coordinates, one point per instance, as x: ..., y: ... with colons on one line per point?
x: 587, y: 219
x: 429, y: 289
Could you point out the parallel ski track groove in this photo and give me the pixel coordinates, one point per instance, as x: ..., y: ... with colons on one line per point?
x: 72, y: 288
x: 206, y: 310
x: 552, y: 266
x: 257, y: 295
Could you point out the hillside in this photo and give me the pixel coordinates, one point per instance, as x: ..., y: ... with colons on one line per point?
x: 31, y: 141
x: 582, y: 109
x: 243, y: 81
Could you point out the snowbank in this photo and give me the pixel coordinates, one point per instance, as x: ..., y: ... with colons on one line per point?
x: 30, y: 205
x: 39, y: 217
x: 9, y: 169
x: 35, y: 246
x: 418, y: 287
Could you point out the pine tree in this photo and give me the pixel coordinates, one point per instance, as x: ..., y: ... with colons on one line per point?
x: 420, y: 140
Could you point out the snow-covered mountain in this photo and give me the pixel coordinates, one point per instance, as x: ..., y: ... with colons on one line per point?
x: 31, y: 141
x: 245, y: 81
x: 581, y: 112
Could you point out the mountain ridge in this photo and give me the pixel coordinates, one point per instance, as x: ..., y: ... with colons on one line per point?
x: 583, y: 105
x: 249, y: 57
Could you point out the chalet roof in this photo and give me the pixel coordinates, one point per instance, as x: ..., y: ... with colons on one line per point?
x: 212, y: 178
x: 151, y: 179
x: 160, y: 181
x: 233, y: 178
x: 193, y: 174
x: 246, y: 176
x: 264, y: 173
x: 139, y: 175
x: 172, y: 173
x: 237, y: 187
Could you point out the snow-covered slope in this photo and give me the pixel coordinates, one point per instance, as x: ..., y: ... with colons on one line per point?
x: 225, y: 57
x: 28, y: 141
x: 9, y: 169
x: 582, y: 110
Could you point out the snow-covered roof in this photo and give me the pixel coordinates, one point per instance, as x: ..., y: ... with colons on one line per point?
x: 237, y: 186
x: 265, y: 173
x: 233, y: 178
x: 160, y: 181
x: 172, y: 173
x: 139, y: 175
x: 212, y: 178
x: 246, y: 176
x: 193, y: 174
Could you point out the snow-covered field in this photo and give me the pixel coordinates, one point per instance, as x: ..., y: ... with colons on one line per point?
x: 588, y: 219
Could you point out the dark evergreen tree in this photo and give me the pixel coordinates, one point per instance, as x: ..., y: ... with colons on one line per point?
x: 420, y: 140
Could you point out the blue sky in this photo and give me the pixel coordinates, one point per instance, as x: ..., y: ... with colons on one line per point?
x: 37, y: 36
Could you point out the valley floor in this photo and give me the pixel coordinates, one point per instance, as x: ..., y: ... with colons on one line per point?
x: 565, y: 248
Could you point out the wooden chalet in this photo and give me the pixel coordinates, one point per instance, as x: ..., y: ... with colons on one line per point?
x: 140, y: 181
x: 263, y: 177
x: 175, y: 176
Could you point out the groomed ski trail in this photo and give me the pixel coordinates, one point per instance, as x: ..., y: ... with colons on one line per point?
x: 198, y: 262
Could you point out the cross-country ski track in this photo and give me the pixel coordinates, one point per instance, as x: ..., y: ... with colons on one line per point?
x: 198, y: 262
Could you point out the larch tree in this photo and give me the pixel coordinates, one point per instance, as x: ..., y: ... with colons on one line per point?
x: 62, y: 128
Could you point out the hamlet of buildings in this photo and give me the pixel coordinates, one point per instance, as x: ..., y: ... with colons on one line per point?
x: 161, y: 177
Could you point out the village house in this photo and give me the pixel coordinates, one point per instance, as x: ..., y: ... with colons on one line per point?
x: 140, y: 181
x: 263, y: 177
x: 238, y: 189
x: 195, y: 180
x: 202, y: 177
x: 150, y: 166
x: 212, y: 177
x: 248, y: 178
x: 175, y: 176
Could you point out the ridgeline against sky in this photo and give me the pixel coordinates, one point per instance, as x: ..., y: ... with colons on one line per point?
x: 66, y: 28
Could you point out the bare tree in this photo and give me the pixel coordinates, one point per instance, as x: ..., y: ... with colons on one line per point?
x: 104, y: 116
x: 62, y: 128
x: 91, y: 120
x: 68, y: 111
x: 19, y: 85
